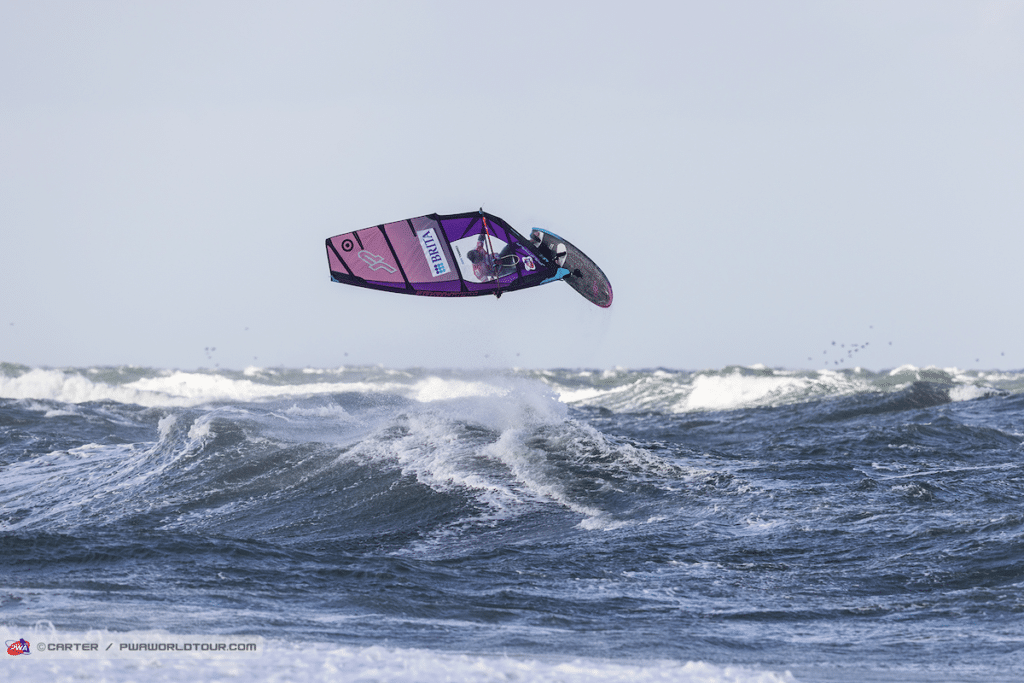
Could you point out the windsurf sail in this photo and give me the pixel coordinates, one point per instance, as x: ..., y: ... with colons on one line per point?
x: 464, y: 254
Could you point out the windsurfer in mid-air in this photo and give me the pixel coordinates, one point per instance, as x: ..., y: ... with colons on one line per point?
x: 460, y: 255
x: 487, y: 266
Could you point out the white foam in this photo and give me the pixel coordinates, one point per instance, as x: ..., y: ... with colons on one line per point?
x: 583, y: 395
x: 968, y: 392
x: 165, y: 425
x: 620, y: 390
x: 441, y: 454
x: 315, y: 662
x: 438, y: 389
x: 332, y: 411
x: 717, y: 392
x: 432, y: 452
x: 53, y: 385
x: 191, y: 388
x: 530, y: 469
x: 187, y: 389
x: 729, y: 390
x: 905, y: 369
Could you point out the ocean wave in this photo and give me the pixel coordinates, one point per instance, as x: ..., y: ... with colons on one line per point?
x: 544, y: 513
x: 176, y: 388
x: 505, y: 450
x: 735, y: 388
x: 619, y: 390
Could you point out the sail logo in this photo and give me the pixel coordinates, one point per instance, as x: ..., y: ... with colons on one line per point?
x: 18, y: 647
x: 433, y: 252
x: 375, y: 262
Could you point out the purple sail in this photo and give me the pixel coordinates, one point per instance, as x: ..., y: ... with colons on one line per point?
x: 467, y: 254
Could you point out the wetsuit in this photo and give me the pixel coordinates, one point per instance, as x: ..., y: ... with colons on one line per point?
x: 489, y: 267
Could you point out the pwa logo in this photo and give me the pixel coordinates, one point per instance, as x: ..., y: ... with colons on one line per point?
x: 18, y: 647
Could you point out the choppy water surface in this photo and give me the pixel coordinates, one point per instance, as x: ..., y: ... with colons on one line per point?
x: 729, y: 525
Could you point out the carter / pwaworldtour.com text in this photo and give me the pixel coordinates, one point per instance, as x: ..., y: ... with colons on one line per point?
x: 141, y: 645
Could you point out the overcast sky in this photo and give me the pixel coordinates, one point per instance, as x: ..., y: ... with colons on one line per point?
x: 757, y: 179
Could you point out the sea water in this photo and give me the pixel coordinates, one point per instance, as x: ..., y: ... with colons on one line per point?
x: 361, y: 523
